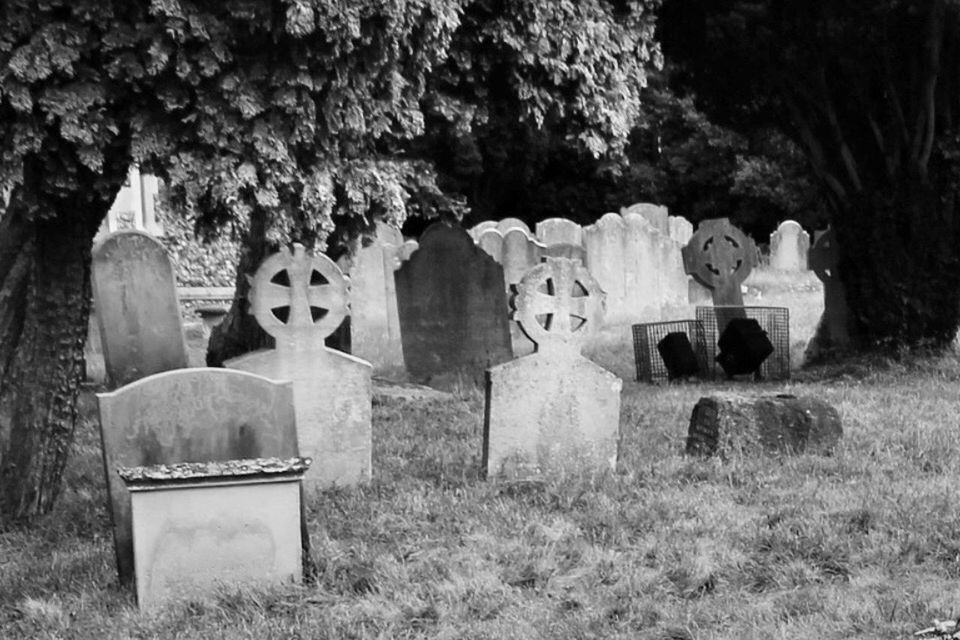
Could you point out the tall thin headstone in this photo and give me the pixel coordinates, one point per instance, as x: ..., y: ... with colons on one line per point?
x: 188, y: 415
x: 135, y: 297
x: 552, y: 410
x: 300, y: 298
x: 453, y: 306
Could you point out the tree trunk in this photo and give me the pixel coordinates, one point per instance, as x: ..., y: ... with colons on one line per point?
x: 45, y: 290
x: 900, y: 267
x: 239, y: 332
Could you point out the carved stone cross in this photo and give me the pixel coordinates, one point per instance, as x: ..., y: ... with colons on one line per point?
x: 720, y: 257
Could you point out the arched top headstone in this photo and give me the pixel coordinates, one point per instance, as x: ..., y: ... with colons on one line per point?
x: 558, y: 304
x: 507, y: 224
x: 480, y: 227
x: 491, y: 241
x: 299, y: 298
x: 655, y: 214
x: 558, y: 231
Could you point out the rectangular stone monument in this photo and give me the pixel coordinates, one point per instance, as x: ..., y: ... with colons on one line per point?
x: 553, y: 410
x: 300, y: 299
x: 188, y: 415
x: 135, y: 297
x: 199, y: 526
x: 453, y: 306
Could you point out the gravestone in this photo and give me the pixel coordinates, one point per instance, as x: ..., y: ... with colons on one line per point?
x: 559, y: 231
x: 521, y: 252
x: 188, y: 415
x: 453, y: 306
x: 374, y: 321
x: 300, y: 298
x: 552, y: 410
x: 834, y: 330
x: 565, y: 250
x: 605, y: 244
x: 681, y: 230
x: 479, y: 228
x: 720, y: 257
x: 491, y: 241
x: 789, y: 245
x: 655, y: 214
x: 135, y: 300
x: 507, y: 224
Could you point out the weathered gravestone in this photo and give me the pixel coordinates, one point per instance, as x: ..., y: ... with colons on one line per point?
x: 300, y: 298
x: 655, y: 214
x: 833, y: 331
x: 729, y: 424
x: 188, y: 415
x: 720, y: 257
x: 491, y: 241
x: 374, y: 321
x: 789, y: 245
x: 559, y: 231
x: 552, y: 410
x: 135, y: 296
x: 453, y: 306
x: 507, y: 224
x: 680, y: 229
x: 521, y: 252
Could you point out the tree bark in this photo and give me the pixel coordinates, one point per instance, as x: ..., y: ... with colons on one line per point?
x: 239, y: 332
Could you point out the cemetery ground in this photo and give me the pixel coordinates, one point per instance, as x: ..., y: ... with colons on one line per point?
x: 862, y: 544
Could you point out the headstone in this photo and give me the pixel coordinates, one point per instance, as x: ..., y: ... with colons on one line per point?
x: 789, y: 245
x: 521, y: 252
x: 491, y: 241
x: 559, y: 231
x: 655, y: 214
x: 300, y: 298
x: 681, y: 230
x: 453, y: 306
x: 188, y: 415
x: 565, y: 250
x: 720, y: 257
x: 507, y: 224
x: 135, y: 298
x: 552, y: 410
x: 197, y: 526
x: 605, y: 243
x: 641, y: 270
x: 374, y: 321
x: 834, y: 330
x: 478, y: 229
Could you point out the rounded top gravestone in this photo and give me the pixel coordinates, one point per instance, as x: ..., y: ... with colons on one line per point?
x: 299, y: 298
x: 558, y: 304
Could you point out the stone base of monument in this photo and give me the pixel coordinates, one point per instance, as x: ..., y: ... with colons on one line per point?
x: 729, y: 424
x: 200, y: 526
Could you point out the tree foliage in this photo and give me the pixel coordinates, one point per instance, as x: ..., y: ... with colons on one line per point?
x: 868, y: 90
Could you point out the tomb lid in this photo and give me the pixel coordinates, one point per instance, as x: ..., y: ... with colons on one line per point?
x: 213, y: 470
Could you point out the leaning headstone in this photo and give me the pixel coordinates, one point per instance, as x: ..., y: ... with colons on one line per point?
x: 730, y: 424
x: 553, y: 410
x: 559, y: 231
x: 833, y: 331
x: 789, y: 245
x: 655, y: 214
x: 300, y: 298
x: 374, y: 321
x: 135, y: 296
x: 453, y: 306
x: 720, y: 257
x: 188, y: 415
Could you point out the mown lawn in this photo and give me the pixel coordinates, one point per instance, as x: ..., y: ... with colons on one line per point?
x: 862, y: 544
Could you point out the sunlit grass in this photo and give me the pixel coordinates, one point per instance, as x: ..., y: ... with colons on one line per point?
x: 861, y: 544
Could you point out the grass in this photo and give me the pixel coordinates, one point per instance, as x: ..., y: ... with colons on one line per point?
x: 862, y: 544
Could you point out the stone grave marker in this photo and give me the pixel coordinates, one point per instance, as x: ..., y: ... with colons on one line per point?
x: 479, y: 228
x: 789, y: 245
x: 824, y: 258
x: 680, y: 229
x: 720, y: 257
x: 507, y: 224
x: 552, y: 410
x: 521, y: 252
x: 300, y: 298
x: 453, y: 306
x: 604, y: 241
x: 559, y: 231
x: 135, y: 296
x: 188, y: 415
x: 655, y: 214
x: 491, y: 241
x: 374, y: 321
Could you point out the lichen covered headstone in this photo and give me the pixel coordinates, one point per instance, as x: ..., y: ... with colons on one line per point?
x: 553, y: 410
x: 300, y: 298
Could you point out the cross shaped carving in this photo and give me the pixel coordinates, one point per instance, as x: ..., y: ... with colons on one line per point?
x: 720, y: 257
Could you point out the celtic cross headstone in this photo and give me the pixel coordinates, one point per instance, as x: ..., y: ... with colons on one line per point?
x: 720, y: 257
x: 553, y: 409
x: 823, y: 259
x: 300, y: 298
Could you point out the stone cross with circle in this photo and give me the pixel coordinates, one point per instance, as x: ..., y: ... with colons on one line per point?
x: 558, y: 303
x: 299, y: 298
x: 720, y: 257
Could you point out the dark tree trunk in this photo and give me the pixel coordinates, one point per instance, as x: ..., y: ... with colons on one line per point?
x: 900, y: 267
x: 239, y: 331
x: 45, y: 289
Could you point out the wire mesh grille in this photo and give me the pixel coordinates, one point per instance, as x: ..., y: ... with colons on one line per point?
x: 774, y: 320
x: 650, y: 364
